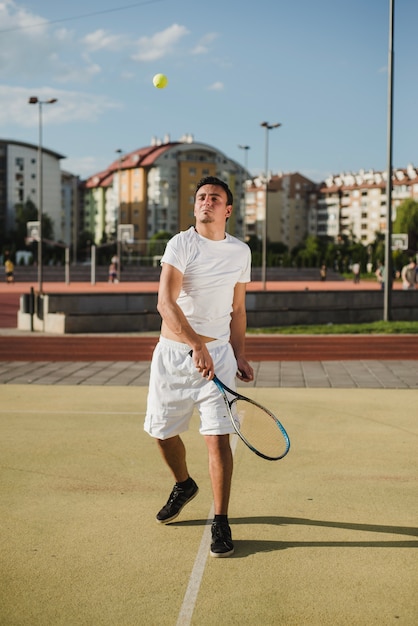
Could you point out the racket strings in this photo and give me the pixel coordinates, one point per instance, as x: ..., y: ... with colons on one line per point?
x: 259, y: 429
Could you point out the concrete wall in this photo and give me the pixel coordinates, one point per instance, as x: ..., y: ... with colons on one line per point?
x: 325, y: 307
x: 128, y: 312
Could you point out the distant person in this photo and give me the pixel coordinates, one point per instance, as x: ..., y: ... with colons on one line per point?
x: 356, y: 272
x: 9, y: 269
x: 113, y: 273
x: 409, y: 275
x: 323, y: 272
x: 380, y: 274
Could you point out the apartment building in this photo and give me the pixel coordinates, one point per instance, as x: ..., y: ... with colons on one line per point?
x: 19, y: 182
x: 355, y: 204
x: 291, y: 207
x: 70, y: 208
x: 153, y: 189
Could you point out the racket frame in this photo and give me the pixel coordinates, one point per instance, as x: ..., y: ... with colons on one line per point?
x: 237, y: 396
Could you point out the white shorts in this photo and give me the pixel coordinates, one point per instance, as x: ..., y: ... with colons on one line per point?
x: 176, y: 388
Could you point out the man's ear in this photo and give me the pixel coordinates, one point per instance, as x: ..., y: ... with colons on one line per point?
x: 228, y: 210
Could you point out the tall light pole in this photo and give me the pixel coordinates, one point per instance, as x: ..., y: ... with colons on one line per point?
x: 268, y: 127
x: 35, y: 100
x: 387, y: 312
x: 244, y: 228
x: 119, y: 214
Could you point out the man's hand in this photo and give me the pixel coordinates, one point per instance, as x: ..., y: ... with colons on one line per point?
x: 203, y: 362
x: 245, y: 372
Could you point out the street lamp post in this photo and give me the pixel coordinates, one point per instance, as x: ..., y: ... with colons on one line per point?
x: 35, y: 100
x: 119, y: 215
x: 387, y: 295
x: 244, y: 228
x: 268, y: 127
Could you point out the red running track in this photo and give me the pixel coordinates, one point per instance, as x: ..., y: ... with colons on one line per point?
x: 258, y: 348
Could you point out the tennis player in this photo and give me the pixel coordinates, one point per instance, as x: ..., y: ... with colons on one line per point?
x: 201, y: 300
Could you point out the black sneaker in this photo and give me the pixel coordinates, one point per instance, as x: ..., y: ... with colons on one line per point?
x: 178, y: 499
x: 221, y: 540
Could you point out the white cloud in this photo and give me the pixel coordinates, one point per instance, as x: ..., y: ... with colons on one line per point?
x: 14, y: 17
x: 26, y: 47
x: 127, y: 75
x: 217, y: 86
x: 30, y: 48
x: 203, y: 45
x: 84, y: 166
x: 103, y: 40
x: 159, y: 45
x: 71, y: 73
x: 71, y: 106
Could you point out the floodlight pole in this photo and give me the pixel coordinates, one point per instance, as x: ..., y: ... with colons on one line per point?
x: 119, y: 215
x: 244, y: 227
x: 268, y: 127
x: 387, y: 307
x: 35, y: 100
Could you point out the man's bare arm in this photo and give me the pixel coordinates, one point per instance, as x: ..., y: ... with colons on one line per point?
x: 238, y: 329
x: 175, y: 325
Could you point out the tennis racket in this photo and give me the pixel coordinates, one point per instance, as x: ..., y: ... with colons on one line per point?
x: 255, y: 425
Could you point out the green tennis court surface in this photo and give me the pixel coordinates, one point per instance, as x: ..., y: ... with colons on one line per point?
x: 326, y: 536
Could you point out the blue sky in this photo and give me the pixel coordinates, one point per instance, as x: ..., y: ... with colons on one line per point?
x: 317, y: 67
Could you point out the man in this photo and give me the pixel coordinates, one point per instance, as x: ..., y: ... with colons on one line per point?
x: 201, y: 300
x: 409, y: 275
x: 356, y: 272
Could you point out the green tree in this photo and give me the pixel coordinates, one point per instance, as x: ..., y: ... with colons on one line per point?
x: 24, y: 213
x: 157, y: 243
x: 407, y: 222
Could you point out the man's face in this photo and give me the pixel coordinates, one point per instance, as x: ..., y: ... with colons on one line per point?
x: 211, y: 206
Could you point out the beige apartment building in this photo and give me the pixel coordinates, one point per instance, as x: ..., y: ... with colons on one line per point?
x: 352, y: 204
x: 292, y: 201
x: 152, y: 189
x: 355, y: 204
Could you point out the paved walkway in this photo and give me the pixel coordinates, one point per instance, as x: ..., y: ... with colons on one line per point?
x: 292, y: 374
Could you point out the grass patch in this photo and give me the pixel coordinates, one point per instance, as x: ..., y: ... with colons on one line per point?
x: 370, y: 328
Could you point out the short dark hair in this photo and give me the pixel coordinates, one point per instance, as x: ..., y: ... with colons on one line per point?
x: 213, y: 180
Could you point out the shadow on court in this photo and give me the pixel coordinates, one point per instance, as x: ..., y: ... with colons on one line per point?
x: 244, y: 549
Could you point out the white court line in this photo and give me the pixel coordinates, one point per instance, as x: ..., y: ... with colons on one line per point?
x: 70, y: 412
x: 192, y: 591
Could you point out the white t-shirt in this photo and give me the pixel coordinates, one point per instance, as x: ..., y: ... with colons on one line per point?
x: 210, y: 269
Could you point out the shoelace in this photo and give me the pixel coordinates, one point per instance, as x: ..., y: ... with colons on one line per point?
x: 173, y: 496
x: 221, y: 531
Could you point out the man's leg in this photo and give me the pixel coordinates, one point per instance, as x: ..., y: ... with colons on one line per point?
x: 185, y: 489
x: 220, y: 470
x: 174, y: 454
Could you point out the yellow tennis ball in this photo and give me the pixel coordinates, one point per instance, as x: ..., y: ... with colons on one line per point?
x: 160, y: 81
